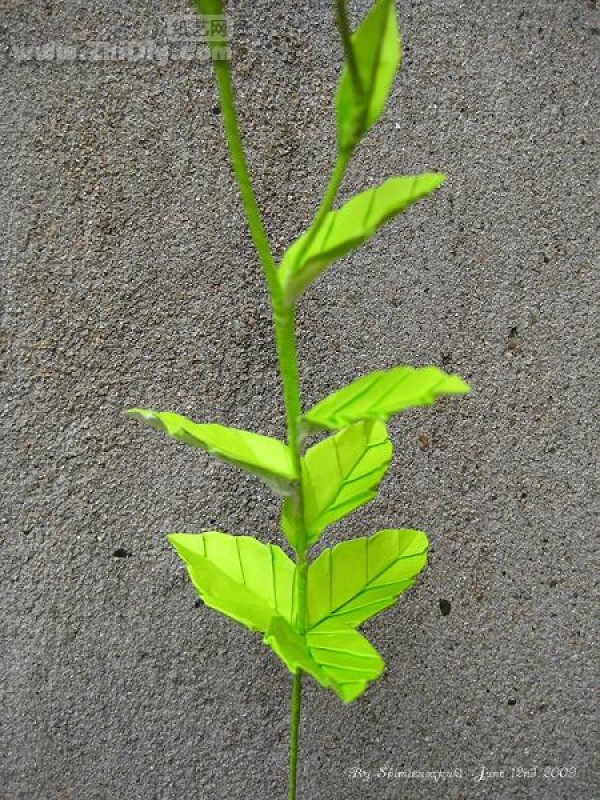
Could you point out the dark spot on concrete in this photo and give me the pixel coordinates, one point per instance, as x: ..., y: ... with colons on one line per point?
x: 216, y: 109
x: 198, y: 603
x: 423, y: 441
x: 121, y: 552
x: 445, y: 606
x: 512, y: 342
x: 511, y: 701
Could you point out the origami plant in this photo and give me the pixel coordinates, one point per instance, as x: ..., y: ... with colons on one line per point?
x: 310, y: 612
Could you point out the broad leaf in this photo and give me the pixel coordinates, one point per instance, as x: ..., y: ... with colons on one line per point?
x: 377, y: 51
x: 239, y: 576
x: 348, y: 227
x: 356, y: 579
x: 268, y: 458
x: 339, y: 474
x: 381, y: 394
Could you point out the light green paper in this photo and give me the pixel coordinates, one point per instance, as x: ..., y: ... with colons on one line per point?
x: 377, y: 52
x: 356, y: 579
x: 381, y: 394
x: 239, y: 576
x: 339, y: 474
x: 253, y: 583
x: 263, y: 456
x: 348, y: 227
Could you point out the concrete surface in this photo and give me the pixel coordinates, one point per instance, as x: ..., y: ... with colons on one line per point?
x: 128, y: 278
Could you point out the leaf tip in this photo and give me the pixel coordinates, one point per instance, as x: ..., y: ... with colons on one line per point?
x: 136, y: 413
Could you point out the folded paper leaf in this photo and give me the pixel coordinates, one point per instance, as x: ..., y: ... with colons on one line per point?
x: 381, y: 394
x: 346, y: 658
x: 377, y: 52
x: 263, y: 456
x: 348, y: 227
x: 339, y: 474
x: 356, y: 579
x: 336, y: 656
x: 239, y: 576
x: 253, y: 583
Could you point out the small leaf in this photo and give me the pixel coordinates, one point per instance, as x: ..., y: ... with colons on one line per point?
x: 346, y: 657
x: 339, y: 474
x: 293, y: 650
x: 381, y: 394
x: 263, y: 456
x: 239, y: 576
x: 348, y: 227
x: 336, y: 656
x: 377, y: 50
x: 356, y: 579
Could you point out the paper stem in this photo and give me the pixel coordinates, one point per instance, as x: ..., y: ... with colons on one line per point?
x: 284, y: 320
x: 294, y: 731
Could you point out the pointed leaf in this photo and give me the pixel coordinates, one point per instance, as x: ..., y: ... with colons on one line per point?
x: 339, y: 474
x: 356, y: 579
x: 239, y: 576
x: 381, y: 394
x: 377, y: 51
x: 263, y: 456
x: 348, y: 227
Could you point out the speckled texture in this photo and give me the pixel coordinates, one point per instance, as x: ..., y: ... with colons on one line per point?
x: 128, y: 278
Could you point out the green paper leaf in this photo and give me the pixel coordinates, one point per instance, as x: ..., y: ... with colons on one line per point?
x: 339, y: 474
x: 348, y: 659
x: 348, y: 227
x: 356, y: 579
x: 263, y: 456
x: 253, y: 583
x: 381, y: 394
x: 336, y: 656
x: 377, y: 50
x: 239, y: 576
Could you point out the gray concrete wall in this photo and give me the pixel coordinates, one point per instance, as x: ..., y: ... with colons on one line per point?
x: 128, y: 278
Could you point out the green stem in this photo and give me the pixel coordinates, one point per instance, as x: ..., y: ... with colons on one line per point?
x: 240, y: 167
x: 341, y: 18
x: 284, y: 320
x: 341, y: 162
x: 294, y: 731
